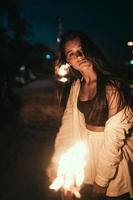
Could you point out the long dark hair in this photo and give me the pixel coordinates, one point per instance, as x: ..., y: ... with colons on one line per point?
x: 106, y: 70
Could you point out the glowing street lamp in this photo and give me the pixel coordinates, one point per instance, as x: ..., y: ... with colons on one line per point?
x: 130, y: 44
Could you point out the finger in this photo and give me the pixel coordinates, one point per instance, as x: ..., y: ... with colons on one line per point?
x: 66, y: 195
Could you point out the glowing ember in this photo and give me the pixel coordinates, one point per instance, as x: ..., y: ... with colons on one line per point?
x: 70, y: 172
x: 63, y: 79
x: 63, y: 70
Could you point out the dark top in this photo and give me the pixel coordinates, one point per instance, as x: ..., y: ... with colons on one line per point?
x: 97, y: 118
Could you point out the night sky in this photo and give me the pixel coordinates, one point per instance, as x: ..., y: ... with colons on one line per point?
x: 109, y: 22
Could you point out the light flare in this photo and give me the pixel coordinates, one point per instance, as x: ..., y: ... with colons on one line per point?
x: 63, y: 69
x: 63, y: 79
x: 70, y: 172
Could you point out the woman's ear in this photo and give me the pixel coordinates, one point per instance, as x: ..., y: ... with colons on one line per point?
x: 67, y: 61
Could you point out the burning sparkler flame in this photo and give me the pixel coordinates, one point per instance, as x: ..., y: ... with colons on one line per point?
x: 70, y: 172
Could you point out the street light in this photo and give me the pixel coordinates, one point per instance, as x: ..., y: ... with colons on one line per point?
x: 130, y: 45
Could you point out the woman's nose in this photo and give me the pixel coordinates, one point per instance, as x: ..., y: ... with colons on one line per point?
x: 79, y: 55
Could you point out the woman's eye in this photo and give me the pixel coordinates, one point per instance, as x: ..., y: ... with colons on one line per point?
x: 70, y: 55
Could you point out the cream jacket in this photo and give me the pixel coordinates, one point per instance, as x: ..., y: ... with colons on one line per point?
x: 115, y: 164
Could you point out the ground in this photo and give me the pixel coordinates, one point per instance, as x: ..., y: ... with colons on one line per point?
x: 27, y: 141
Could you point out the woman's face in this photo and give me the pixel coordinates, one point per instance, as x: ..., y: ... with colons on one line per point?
x: 75, y: 56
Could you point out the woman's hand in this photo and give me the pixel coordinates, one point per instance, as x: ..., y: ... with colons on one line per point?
x: 89, y: 192
x: 51, y: 172
x: 99, y: 190
x: 67, y: 195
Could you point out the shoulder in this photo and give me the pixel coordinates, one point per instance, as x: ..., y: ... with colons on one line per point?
x: 114, y: 99
x: 111, y: 91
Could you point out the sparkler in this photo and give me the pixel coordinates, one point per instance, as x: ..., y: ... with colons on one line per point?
x: 70, y: 172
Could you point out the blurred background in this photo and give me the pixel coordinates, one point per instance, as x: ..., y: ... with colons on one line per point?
x: 30, y: 109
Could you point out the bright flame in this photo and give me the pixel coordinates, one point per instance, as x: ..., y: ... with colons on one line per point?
x: 62, y: 70
x: 70, y: 173
x: 63, y: 79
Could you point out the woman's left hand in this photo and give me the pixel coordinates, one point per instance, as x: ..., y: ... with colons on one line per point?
x: 67, y: 195
x: 99, y: 189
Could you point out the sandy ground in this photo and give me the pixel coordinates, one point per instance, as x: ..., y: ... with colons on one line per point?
x: 26, y: 144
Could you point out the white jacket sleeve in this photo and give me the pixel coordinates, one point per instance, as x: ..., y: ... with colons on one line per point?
x: 64, y: 136
x: 116, y: 134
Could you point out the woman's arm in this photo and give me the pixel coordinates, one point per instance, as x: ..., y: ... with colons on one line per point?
x: 115, y: 136
x: 114, y: 100
x: 64, y: 137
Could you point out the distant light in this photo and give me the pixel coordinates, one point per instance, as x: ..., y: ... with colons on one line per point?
x: 22, y: 68
x: 63, y: 70
x: 63, y: 79
x: 48, y: 56
x: 131, y: 62
x: 130, y: 43
x: 58, y: 39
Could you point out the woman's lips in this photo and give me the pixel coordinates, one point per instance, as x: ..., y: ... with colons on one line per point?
x: 83, y: 61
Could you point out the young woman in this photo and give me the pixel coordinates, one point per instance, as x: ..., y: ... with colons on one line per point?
x: 100, y: 111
